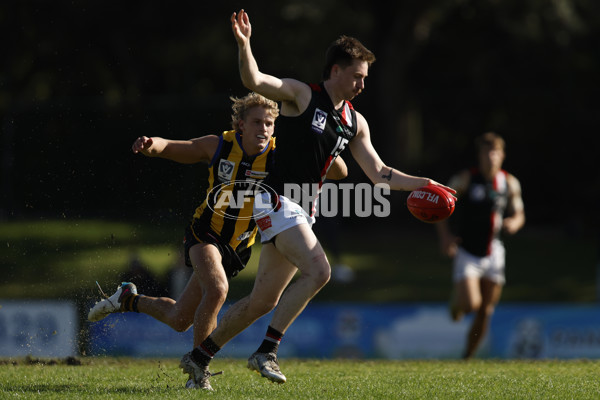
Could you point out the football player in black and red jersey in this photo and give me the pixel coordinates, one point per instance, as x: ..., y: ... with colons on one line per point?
x: 490, y: 204
x: 316, y: 124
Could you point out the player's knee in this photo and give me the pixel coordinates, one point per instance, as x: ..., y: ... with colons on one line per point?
x: 261, y: 308
x: 259, y: 303
x: 178, y: 321
x: 216, y: 294
x: 471, y: 306
x: 488, y: 310
x: 323, y: 277
x: 320, y: 271
x: 180, y: 325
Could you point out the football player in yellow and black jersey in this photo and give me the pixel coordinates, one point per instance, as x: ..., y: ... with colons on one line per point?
x: 219, y: 238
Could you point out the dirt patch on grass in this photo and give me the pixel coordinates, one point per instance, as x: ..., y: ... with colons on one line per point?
x: 28, y: 360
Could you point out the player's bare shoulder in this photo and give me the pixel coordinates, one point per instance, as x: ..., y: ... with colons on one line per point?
x: 362, y: 127
x: 513, y: 184
x: 205, y: 147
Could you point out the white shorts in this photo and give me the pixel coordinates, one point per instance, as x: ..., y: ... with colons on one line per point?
x: 466, y: 265
x: 273, y: 219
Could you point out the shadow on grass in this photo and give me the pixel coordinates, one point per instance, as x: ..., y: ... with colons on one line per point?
x: 82, y: 390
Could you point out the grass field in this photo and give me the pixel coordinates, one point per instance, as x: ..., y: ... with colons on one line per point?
x: 110, y: 378
x: 63, y: 259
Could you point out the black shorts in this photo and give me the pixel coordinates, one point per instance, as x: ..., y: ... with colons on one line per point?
x: 233, y: 261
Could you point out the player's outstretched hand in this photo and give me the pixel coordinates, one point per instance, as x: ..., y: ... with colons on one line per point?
x: 447, y: 188
x: 141, y: 145
x: 240, y: 24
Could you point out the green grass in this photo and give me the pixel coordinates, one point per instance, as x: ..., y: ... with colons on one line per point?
x: 63, y: 259
x: 112, y: 378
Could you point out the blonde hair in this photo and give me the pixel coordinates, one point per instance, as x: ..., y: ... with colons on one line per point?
x: 241, y: 106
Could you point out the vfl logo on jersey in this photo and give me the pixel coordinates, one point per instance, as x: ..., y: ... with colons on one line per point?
x: 319, y: 120
x: 225, y: 170
x: 477, y: 192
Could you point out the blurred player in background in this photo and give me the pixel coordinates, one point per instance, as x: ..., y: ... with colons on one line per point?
x: 489, y: 203
x: 317, y: 124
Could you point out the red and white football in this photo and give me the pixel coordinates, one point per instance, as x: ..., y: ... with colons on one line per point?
x: 430, y: 203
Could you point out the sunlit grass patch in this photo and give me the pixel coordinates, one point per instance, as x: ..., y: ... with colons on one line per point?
x: 124, y: 378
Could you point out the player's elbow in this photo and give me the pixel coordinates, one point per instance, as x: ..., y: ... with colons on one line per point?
x: 343, y: 172
x: 337, y: 174
x: 251, y: 81
x: 520, y: 219
x: 379, y: 174
x: 249, y: 84
x: 513, y: 224
x: 378, y: 179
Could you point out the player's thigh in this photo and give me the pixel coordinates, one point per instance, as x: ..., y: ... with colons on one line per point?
x: 468, y: 293
x: 490, y: 292
x: 302, y: 248
x: 274, y: 273
x: 208, y: 268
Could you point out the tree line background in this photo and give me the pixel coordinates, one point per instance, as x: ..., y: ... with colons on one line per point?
x: 80, y: 80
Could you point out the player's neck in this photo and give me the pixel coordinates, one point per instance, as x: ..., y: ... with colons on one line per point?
x: 251, y: 149
x: 337, y: 100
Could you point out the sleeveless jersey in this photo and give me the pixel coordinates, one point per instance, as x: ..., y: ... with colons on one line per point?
x: 226, y: 210
x: 308, y: 144
x: 482, y: 211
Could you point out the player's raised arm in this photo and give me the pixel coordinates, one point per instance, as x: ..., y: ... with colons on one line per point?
x: 182, y: 151
x: 285, y: 90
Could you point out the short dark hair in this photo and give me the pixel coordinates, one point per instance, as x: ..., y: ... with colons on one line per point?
x: 343, y: 52
x: 489, y: 140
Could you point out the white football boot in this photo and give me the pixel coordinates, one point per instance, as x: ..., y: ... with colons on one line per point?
x: 111, y: 304
x: 198, y: 375
x: 267, y: 365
